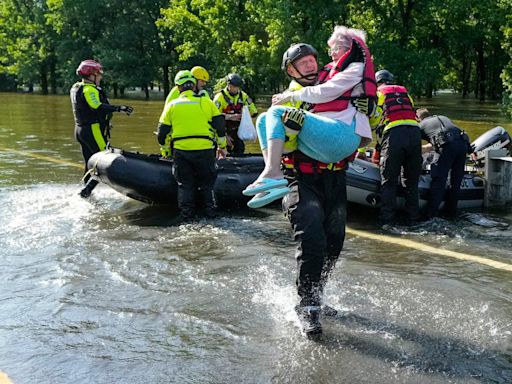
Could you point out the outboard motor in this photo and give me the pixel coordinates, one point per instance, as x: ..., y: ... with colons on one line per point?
x: 495, y: 138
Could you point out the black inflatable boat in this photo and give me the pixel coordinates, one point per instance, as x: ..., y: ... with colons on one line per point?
x: 148, y: 178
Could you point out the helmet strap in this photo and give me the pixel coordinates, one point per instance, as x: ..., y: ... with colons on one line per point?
x: 94, y: 75
x: 311, y: 76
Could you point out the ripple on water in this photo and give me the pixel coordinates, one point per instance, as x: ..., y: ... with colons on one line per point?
x: 183, y: 300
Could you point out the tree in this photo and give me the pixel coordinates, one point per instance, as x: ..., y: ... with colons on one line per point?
x: 28, y: 49
x: 507, y: 71
x: 427, y: 44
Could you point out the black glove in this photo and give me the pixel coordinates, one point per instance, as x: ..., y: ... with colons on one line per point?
x: 293, y: 118
x: 125, y: 108
x: 365, y: 105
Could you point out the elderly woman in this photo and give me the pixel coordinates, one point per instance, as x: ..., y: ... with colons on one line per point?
x: 333, y: 131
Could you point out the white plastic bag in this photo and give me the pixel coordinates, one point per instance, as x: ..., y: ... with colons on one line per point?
x: 246, y: 130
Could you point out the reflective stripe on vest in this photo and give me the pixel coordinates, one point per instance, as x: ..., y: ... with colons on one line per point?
x: 304, y: 105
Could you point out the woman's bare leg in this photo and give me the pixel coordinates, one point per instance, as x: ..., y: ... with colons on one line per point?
x: 272, y: 156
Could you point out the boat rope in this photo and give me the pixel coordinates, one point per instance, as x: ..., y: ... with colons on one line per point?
x: 93, y: 170
x: 429, y: 249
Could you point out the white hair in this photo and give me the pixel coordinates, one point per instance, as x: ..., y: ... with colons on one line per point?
x: 342, y: 37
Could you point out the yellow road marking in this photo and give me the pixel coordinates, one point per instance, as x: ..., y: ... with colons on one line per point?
x: 42, y: 157
x: 427, y: 248
x: 4, y: 379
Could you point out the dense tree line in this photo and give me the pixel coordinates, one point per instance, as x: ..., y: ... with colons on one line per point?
x: 428, y: 44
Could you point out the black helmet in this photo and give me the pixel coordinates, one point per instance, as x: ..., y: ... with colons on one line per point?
x: 235, y: 79
x: 295, y: 52
x: 384, y: 76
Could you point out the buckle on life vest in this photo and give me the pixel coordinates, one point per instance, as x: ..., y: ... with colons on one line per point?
x: 310, y: 166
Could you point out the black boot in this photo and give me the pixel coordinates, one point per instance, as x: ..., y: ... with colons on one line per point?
x: 87, y: 190
x: 309, y: 318
x: 329, y: 311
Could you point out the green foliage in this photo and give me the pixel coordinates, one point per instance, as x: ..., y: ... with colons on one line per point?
x: 506, y: 75
x: 427, y: 44
x: 27, y: 42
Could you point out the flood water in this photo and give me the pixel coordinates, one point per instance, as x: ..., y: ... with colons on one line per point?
x: 110, y: 290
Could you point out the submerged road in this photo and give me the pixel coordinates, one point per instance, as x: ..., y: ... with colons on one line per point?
x: 366, y: 234
x: 110, y: 290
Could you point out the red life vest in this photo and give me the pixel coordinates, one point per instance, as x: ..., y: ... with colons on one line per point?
x: 232, y: 107
x: 397, y: 104
x: 305, y: 164
x: 358, y: 53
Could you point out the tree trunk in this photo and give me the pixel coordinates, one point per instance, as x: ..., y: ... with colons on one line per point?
x: 429, y: 90
x: 466, y: 67
x: 44, y: 79
x: 53, y: 76
x: 146, y: 91
x: 405, y: 9
x: 495, y: 84
x: 480, y: 70
x: 115, y: 87
x: 167, y: 89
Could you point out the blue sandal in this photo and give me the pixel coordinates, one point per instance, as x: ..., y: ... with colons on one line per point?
x: 264, y: 185
x: 266, y: 197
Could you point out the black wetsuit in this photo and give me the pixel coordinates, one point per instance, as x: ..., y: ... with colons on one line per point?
x: 91, y: 121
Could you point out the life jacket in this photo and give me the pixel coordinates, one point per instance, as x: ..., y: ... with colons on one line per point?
x: 397, y: 104
x: 304, y: 105
x: 190, y: 116
x: 84, y: 114
x: 358, y: 53
x: 232, y: 107
x: 299, y: 162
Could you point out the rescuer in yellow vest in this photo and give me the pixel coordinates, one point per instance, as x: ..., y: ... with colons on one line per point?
x: 400, y: 152
x: 202, y: 77
x: 230, y: 101
x: 197, y: 129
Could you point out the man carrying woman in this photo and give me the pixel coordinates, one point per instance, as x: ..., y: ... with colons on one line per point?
x: 316, y: 146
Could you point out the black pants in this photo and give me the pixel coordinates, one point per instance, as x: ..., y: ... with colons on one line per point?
x: 88, y: 144
x: 452, y: 159
x: 401, y: 149
x: 238, y: 147
x: 316, y: 208
x: 194, y: 171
